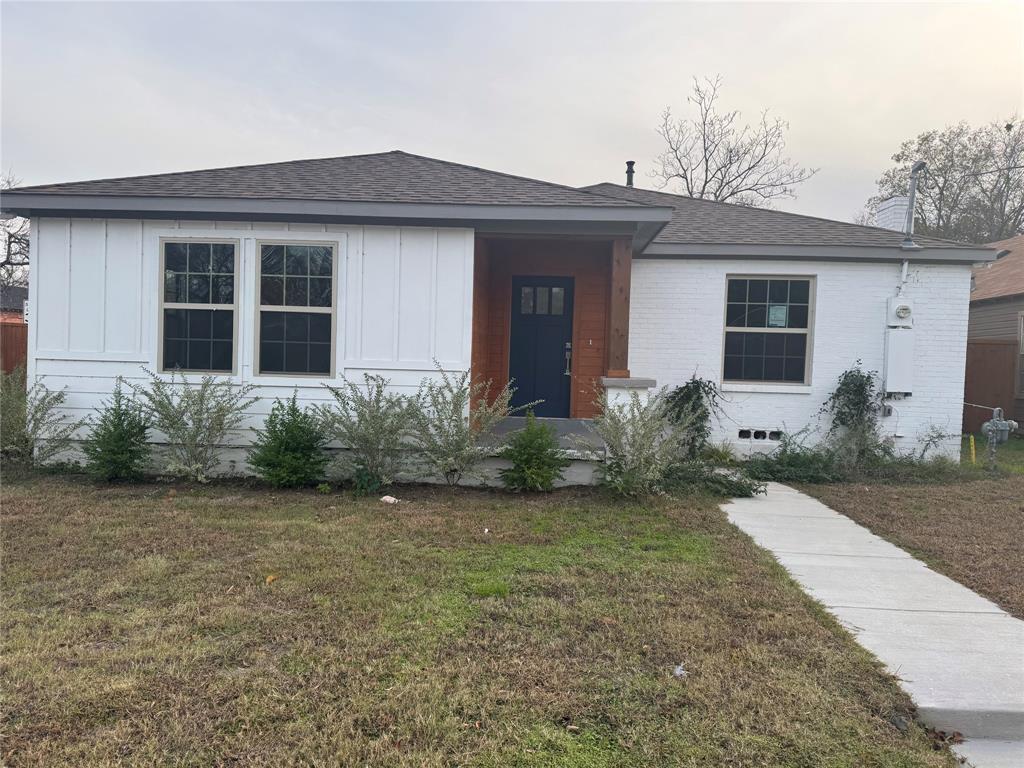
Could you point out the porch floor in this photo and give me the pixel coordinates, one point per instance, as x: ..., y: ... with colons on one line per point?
x: 570, y: 432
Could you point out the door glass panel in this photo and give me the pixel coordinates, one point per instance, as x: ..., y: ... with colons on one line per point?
x: 543, y: 299
x: 526, y: 301
x: 557, y: 301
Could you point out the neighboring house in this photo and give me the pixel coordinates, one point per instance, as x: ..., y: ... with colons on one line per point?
x: 995, y: 337
x: 292, y: 274
x: 12, y: 303
x: 13, y: 331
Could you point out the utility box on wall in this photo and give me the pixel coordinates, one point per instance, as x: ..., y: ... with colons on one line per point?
x: 899, y: 361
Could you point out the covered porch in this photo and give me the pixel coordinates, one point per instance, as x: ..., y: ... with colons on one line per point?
x: 551, y: 314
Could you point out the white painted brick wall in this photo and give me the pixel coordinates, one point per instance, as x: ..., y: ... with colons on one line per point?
x: 677, y: 315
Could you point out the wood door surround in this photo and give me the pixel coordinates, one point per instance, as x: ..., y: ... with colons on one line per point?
x: 591, y: 264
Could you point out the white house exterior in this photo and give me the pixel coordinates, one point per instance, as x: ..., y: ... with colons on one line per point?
x: 292, y: 275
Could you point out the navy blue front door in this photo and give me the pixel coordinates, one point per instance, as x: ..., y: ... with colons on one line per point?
x: 539, y: 341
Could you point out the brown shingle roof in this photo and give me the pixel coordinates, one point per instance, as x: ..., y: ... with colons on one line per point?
x: 1003, y: 277
x: 707, y: 222
x: 391, y: 177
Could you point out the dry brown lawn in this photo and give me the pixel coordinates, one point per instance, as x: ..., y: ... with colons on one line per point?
x: 971, y: 531
x: 229, y: 625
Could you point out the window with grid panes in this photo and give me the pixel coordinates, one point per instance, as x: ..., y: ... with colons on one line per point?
x: 767, y: 329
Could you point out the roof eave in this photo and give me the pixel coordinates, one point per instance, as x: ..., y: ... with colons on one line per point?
x: 817, y: 252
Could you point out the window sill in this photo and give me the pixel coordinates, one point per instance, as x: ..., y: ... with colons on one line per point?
x: 779, y: 389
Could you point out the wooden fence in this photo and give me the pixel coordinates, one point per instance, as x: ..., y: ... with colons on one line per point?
x: 991, y: 379
x: 13, y: 345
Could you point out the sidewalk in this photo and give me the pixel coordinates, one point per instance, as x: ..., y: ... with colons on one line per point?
x: 958, y: 655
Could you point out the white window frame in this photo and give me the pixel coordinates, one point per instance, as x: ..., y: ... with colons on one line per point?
x: 809, y: 331
x: 260, y: 307
x: 164, y: 304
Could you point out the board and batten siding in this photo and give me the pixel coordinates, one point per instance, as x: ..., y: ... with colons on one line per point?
x: 677, y: 317
x: 404, y: 300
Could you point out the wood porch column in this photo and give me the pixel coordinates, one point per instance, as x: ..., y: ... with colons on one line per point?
x: 618, y: 311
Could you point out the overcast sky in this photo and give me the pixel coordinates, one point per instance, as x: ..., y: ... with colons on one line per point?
x: 563, y: 92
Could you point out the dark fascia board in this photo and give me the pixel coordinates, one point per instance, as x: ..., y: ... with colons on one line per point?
x: 32, y: 204
x: 816, y: 253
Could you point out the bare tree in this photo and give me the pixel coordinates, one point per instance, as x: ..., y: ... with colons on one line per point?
x: 13, y: 242
x: 710, y: 156
x: 973, y: 189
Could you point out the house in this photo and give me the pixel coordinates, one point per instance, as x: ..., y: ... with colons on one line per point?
x: 995, y: 337
x: 13, y: 331
x: 12, y: 303
x: 290, y: 274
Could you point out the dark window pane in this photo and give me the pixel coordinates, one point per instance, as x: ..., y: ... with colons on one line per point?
x: 272, y: 326
x: 198, y: 289
x: 753, y: 368
x: 320, y: 328
x: 543, y: 299
x: 272, y: 260
x: 175, y: 354
x: 778, y: 291
x: 736, y: 315
x: 199, y: 323
x: 557, y: 301
x: 753, y: 344
x: 222, y: 324
x: 199, y: 355
x: 734, y: 343
x: 271, y: 356
x: 795, y: 368
x: 319, y: 291
x: 319, y: 358
x: 223, y: 289
x: 198, y: 257
x: 175, y: 287
x: 757, y: 291
x: 297, y: 260
x: 773, y: 369
x: 757, y: 315
x: 224, y: 258
x: 798, y: 316
x: 175, y: 323
x: 296, y: 291
x: 799, y: 291
x: 737, y: 290
x: 526, y: 301
x: 796, y: 344
x: 221, y: 356
x: 296, y: 357
x: 296, y: 326
x: 320, y: 261
x: 775, y: 344
x: 272, y: 290
x: 733, y: 367
x: 175, y: 257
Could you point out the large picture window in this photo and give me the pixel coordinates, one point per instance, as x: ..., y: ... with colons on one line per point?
x: 295, y: 327
x: 198, y: 305
x: 767, y: 329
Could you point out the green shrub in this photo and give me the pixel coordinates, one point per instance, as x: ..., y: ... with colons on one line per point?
x: 693, y: 404
x: 195, y: 418
x: 795, y: 462
x: 720, y: 454
x: 374, y: 425
x: 289, y: 451
x: 454, y: 424
x: 117, y: 447
x: 699, y: 477
x: 537, y: 460
x: 32, y: 428
x: 641, y: 444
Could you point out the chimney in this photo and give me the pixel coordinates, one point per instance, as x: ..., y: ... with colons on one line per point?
x: 629, y: 172
x: 892, y: 213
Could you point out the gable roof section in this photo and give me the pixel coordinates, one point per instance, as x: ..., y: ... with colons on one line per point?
x: 1004, y: 277
x: 386, y: 177
x: 702, y: 226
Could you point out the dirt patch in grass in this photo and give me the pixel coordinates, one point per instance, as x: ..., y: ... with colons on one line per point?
x: 226, y: 625
x: 969, y: 531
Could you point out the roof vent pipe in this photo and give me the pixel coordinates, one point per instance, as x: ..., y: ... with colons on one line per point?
x: 629, y: 172
x: 908, y: 231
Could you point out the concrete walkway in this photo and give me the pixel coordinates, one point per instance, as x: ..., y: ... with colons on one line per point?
x: 958, y: 655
